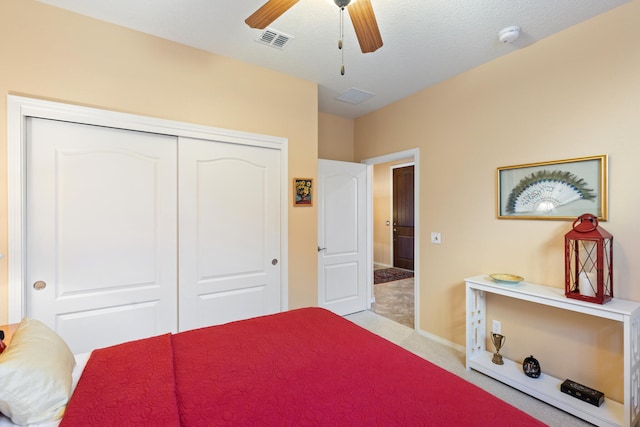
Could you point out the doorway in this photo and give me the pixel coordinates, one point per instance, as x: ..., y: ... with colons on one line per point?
x: 397, y: 300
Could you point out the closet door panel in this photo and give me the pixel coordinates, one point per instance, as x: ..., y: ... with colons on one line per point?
x: 229, y: 244
x: 101, y: 232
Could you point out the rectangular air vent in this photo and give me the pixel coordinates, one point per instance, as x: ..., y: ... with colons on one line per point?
x: 355, y: 96
x: 274, y: 38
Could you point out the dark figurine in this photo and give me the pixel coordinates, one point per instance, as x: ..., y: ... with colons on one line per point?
x: 531, y: 367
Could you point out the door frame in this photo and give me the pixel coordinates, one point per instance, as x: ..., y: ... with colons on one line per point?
x: 414, y: 155
x: 19, y: 108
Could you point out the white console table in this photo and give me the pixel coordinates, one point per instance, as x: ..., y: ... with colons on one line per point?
x: 547, y: 388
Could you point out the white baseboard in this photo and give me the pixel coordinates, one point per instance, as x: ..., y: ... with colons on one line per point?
x: 441, y: 340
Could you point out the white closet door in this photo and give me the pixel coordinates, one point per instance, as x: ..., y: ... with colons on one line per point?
x: 229, y: 244
x: 101, y: 232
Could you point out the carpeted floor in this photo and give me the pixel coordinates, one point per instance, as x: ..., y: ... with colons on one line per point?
x: 453, y: 361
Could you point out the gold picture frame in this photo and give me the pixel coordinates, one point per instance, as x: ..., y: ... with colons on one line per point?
x: 558, y: 190
x: 302, y: 192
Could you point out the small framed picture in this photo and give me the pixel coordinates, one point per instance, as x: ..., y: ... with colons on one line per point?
x: 302, y: 192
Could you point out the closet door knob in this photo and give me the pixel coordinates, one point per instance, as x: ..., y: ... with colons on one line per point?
x: 274, y: 261
x: 39, y: 285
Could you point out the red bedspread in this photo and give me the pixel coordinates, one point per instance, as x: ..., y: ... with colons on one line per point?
x: 302, y: 367
x: 131, y: 384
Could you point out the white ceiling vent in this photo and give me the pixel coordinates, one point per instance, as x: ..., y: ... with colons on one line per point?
x: 355, y: 96
x: 274, y: 38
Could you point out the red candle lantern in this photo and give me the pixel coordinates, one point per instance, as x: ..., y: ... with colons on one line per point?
x: 588, y: 262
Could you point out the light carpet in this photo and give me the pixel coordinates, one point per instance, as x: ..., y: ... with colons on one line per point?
x: 454, y: 361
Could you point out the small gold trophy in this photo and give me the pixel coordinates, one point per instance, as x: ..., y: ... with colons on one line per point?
x: 498, y: 341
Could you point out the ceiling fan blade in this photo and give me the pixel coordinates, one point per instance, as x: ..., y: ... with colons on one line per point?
x: 269, y: 12
x: 365, y: 25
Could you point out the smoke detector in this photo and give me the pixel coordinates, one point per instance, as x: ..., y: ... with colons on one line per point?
x: 509, y: 34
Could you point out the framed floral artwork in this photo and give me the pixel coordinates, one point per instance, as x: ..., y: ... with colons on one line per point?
x: 302, y: 192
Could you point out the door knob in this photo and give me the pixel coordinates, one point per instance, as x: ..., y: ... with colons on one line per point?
x: 321, y: 249
x: 274, y: 261
x: 39, y: 285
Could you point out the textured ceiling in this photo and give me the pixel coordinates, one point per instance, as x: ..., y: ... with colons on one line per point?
x: 425, y: 41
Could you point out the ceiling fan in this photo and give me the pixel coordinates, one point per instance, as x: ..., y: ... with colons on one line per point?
x: 360, y: 11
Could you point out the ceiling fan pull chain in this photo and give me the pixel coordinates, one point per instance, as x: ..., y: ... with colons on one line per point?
x: 341, y: 38
x: 341, y: 28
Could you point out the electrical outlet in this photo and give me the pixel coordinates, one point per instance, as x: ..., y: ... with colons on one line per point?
x: 436, y: 238
x: 496, y: 327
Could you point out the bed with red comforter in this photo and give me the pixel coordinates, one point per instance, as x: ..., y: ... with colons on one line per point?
x: 301, y: 367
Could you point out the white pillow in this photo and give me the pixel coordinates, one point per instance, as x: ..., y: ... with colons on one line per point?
x: 35, y: 374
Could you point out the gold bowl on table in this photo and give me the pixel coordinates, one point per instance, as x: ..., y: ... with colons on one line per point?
x: 509, y: 279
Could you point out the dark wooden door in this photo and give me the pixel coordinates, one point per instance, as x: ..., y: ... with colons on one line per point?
x: 403, y: 221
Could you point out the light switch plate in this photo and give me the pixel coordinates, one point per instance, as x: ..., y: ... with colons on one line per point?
x: 436, y: 238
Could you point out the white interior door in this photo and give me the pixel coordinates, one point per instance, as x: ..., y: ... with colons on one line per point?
x: 342, y: 236
x: 229, y: 232
x: 101, y: 232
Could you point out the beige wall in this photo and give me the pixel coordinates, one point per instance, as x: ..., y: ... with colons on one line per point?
x: 382, y: 214
x: 53, y: 54
x: 574, y: 94
x: 335, y: 137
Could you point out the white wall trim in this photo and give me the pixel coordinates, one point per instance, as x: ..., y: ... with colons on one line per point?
x: 442, y: 341
x: 20, y: 108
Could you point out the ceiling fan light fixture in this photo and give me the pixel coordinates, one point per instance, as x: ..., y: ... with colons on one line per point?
x: 342, y: 3
x: 361, y: 13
